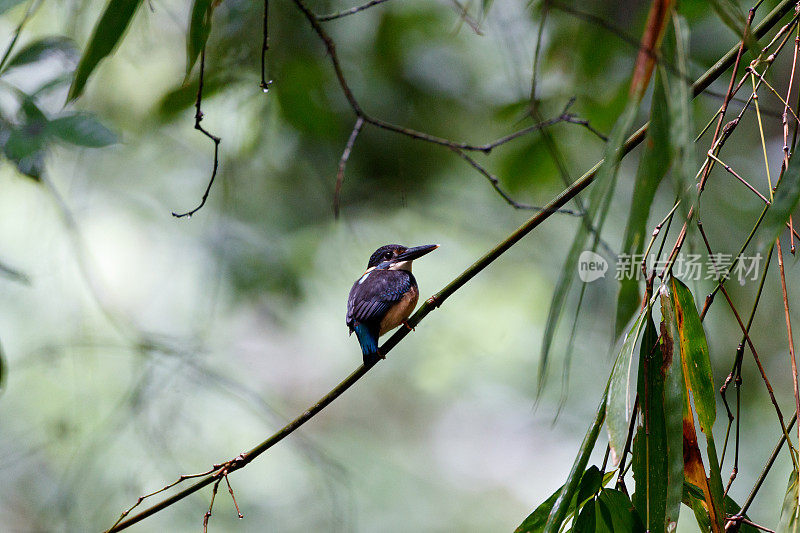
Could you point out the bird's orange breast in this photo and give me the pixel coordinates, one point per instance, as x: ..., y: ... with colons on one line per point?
x: 400, y: 311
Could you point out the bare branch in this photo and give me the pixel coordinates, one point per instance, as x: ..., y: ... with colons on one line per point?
x: 351, y: 11
x: 343, y: 162
x: 198, y: 117
x: 265, y: 83
x: 496, y: 185
x: 466, y: 18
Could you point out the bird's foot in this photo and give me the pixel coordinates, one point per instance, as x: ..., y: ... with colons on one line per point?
x: 406, y: 324
x: 372, y: 358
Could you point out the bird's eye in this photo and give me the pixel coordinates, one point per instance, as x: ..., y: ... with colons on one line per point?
x: 387, y: 255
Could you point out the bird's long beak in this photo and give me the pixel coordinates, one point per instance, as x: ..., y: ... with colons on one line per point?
x: 415, y: 253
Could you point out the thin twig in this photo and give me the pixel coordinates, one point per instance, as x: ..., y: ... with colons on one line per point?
x: 738, y: 177
x: 466, y: 18
x: 198, y: 117
x: 496, y: 185
x: 142, y: 498
x: 233, y: 497
x: 745, y: 338
x: 764, y: 471
x: 351, y: 11
x: 207, y: 514
x: 265, y: 83
x: 792, y: 359
x: 343, y: 162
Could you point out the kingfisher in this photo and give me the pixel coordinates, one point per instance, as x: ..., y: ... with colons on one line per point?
x: 384, y: 296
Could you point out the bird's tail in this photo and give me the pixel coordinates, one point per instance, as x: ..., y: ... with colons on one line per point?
x: 368, y: 339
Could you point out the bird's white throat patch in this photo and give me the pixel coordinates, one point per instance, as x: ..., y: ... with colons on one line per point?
x: 402, y: 265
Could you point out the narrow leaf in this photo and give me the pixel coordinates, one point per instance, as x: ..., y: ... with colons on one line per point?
x: 790, y: 512
x: 653, y: 165
x: 562, y: 504
x: 106, y: 36
x: 694, y: 471
x: 694, y: 350
x: 601, y: 194
x: 732, y: 16
x: 694, y: 498
x: 199, y: 30
x: 25, y: 144
x: 81, y: 129
x: 650, y: 445
x: 688, y: 331
x: 673, y: 412
x: 616, y: 512
x: 591, y: 482
x: 42, y: 49
x: 680, y: 103
x: 586, y: 520
x: 620, y: 390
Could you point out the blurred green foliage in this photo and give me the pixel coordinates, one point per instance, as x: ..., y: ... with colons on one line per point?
x: 145, y: 347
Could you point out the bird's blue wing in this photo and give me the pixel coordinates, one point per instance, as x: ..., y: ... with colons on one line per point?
x: 374, y: 294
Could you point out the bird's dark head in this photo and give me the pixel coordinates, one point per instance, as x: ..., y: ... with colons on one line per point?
x: 397, y: 256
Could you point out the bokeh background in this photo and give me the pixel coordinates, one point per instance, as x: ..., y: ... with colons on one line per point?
x: 138, y: 346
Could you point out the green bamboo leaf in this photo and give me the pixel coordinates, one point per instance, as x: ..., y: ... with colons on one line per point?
x: 650, y: 453
x: 42, y: 49
x: 598, y: 207
x: 106, y: 36
x: 733, y: 17
x: 693, y: 497
x: 730, y: 14
x: 565, y: 278
x: 653, y: 165
x: 680, y: 102
x: 694, y: 350
x: 673, y: 411
x: 591, y: 482
x: 784, y: 202
x: 615, y: 513
x: 586, y: 520
x: 180, y: 98
x: 562, y: 503
x: 790, y: 512
x: 620, y: 390
x: 535, y: 521
x: 81, y: 129
x: 199, y: 30
x: 26, y: 142
x: 697, y: 365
